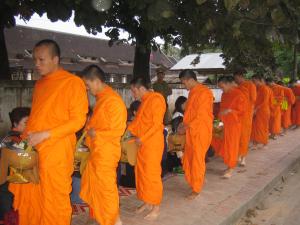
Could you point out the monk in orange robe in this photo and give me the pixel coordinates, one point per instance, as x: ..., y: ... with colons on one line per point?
x: 59, y: 108
x: 262, y: 111
x: 233, y: 106
x: 249, y: 90
x: 286, y: 113
x: 105, y: 128
x: 275, y: 120
x: 148, y: 127
x: 296, y: 107
x: 198, y: 122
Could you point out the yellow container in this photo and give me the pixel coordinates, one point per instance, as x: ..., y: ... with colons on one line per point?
x: 129, y: 151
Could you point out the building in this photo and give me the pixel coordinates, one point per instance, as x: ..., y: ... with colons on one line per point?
x: 206, y: 65
x: 77, y: 52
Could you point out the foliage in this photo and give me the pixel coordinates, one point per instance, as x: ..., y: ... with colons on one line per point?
x: 284, y: 58
x: 243, y: 30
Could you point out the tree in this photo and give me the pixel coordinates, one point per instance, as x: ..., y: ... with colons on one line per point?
x: 146, y: 19
x: 142, y: 19
x: 55, y: 9
x: 253, y: 26
x: 8, y: 9
x: 284, y: 56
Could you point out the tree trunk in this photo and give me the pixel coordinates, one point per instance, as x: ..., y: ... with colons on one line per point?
x: 295, y: 69
x: 142, y: 59
x: 4, y: 64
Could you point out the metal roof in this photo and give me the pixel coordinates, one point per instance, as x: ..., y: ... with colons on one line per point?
x: 207, y: 61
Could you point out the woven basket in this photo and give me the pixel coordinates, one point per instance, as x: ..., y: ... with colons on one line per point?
x: 23, y: 165
x: 218, y: 132
x: 129, y: 151
x: 80, y: 158
x: 176, y: 142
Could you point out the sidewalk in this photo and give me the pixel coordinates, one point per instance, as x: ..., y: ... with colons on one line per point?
x: 221, y: 202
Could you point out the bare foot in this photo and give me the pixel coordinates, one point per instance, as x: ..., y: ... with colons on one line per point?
x: 260, y: 146
x: 282, y: 133
x: 192, y: 196
x: 273, y: 137
x: 119, y: 222
x: 242, y: 162
x: 153, y: 214
x: 227, y: 174
x: 254, y: 147
x: 142, y: 208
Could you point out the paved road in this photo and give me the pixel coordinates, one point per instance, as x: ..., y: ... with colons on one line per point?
x: 280, y: 207
x: 221, y: 201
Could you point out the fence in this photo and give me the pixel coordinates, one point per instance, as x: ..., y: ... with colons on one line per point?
x: 17, y: 93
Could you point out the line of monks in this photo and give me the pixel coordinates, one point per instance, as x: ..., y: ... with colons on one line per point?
x: 59, y: 108
x: 253, y: 111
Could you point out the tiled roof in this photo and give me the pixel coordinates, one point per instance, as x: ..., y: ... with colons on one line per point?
x: 117, y: 59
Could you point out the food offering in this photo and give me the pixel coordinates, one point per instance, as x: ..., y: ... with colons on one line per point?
x: 81, y: 155
x: 218, y: 128
x: 176, y: 141
x: 129, y: 148
x: 19, y: 163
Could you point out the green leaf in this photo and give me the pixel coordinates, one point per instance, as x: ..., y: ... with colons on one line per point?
x: 278, y: 16
x: 200, y: 2
x: 244, y: 4
x: 230, y: 4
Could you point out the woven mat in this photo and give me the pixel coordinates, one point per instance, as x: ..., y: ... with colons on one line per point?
x: 83, y: 207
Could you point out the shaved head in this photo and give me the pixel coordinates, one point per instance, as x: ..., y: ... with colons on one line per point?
x: 52, y: 45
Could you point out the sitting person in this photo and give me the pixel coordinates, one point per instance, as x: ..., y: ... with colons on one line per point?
x: 174, y: 158
x: 126, y: 175
x: 133, y: 108
x: 18, y: 117
x: 179, y: 107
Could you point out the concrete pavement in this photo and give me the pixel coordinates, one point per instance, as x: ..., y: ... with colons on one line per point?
x: 222, y: 202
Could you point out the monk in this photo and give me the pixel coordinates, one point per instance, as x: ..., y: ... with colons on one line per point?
x: 275, y: 120
x: 148, y: 127
x: 198, y: 123
x: 105, y: 128
x: 232, y: 110
x: 262, y: 111
x: 59, y: 108
x: 249, y: 90
x: 296, y: 107
x: 286, y: 111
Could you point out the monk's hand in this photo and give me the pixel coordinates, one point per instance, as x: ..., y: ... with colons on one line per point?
x: 36, y: 138
x: 138, y: 141
x: 225, y: 111
x: 92, y: 132
x: 182, y: 128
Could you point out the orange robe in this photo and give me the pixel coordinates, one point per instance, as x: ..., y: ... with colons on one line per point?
x: 249, y: 90
x: 261, y: 119
x: 198, y: 118
x: 148, y: 127
x: 296, y: 107
x: 275, y: 120
x: 98, y: 185
x: 236, y: 101
x: 286, y: 115
x: 59, y: 106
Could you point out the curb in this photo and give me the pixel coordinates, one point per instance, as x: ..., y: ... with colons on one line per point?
x: 289, y: 162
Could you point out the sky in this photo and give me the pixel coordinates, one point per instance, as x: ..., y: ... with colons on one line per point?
x: 67, y: 27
